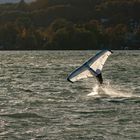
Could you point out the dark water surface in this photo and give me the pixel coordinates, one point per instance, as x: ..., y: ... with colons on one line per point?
x: 37, y: 103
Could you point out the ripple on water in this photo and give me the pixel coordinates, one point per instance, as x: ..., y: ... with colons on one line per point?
x: 36, y: 101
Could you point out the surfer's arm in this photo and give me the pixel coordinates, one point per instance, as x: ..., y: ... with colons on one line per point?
x: 97, y: 75
x: 91, y: 70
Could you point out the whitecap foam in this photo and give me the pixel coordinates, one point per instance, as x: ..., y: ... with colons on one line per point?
x: 95, y: 91
x: 110, y: 90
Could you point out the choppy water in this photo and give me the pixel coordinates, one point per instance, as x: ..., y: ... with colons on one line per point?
x: 37, y: 103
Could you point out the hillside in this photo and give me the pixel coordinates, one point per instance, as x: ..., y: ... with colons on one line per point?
x: 70, y: 24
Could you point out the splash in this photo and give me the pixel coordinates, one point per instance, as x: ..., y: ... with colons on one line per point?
x: 107, y: 90
x: 95, y: 91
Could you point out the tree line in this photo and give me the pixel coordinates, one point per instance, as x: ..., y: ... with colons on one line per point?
x: 70, y: 24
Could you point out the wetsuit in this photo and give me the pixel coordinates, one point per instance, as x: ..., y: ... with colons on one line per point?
x: 98, y: 74
x: 99, y: 78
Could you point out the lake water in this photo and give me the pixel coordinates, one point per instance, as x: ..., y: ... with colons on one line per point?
x: 37, y: 103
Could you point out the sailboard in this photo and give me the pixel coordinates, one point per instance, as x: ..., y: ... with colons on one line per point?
x: 91, y: 68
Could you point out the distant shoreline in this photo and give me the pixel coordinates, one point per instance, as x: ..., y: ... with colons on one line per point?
x: 69, y: 25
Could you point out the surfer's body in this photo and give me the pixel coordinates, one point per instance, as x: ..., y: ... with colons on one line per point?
x: 96, y: 73
x: 91, y: 68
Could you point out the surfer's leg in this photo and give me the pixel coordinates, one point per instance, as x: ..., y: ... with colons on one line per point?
x: 99, y: 78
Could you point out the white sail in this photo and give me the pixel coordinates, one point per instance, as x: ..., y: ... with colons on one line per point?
x: 90, y: 68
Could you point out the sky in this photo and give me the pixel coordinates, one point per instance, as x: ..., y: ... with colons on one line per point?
x: 5, y: 1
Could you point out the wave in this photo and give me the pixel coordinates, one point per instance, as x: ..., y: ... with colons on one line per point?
x: 22, y: 115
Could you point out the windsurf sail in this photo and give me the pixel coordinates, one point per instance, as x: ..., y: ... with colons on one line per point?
x: 91, y: 68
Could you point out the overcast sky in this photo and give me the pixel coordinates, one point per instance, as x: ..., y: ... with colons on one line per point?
x: 5, y: 1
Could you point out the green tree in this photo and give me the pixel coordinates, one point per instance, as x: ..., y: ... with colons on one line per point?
x: 28, y: 39
x: 65, y: 35
x: 8, y: 35
x: 39, y: 4
x: 22, y: 6
x: 116, y: 36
